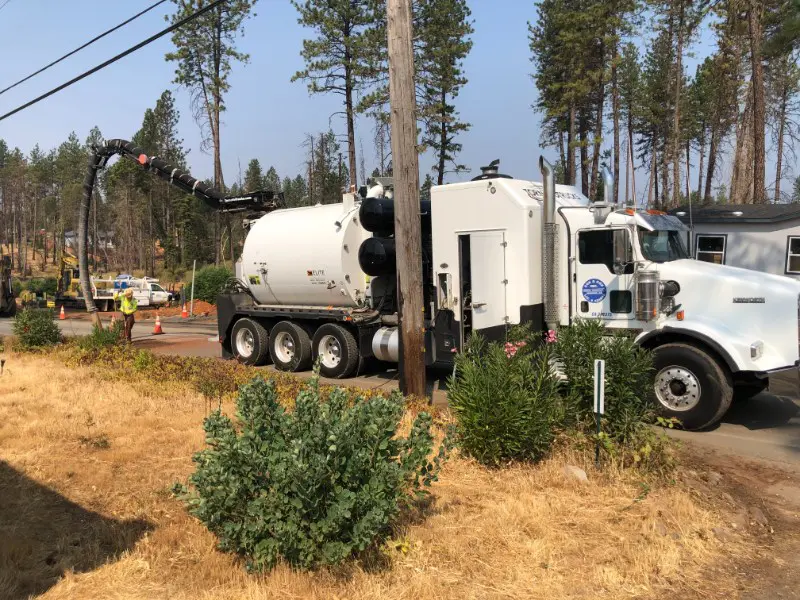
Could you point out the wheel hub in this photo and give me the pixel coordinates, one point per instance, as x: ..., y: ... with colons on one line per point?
x: 245, y: 343
x: 330, y: 351
x: 284, y: 347
x: 677, y: 388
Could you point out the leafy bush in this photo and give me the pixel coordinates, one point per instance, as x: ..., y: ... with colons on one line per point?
x: 629, y: 382
x: 314, y: 486
x: 208, y: 283
x: 507, y: 405
x: 41, y: 286
x: 17, y: 287
x: 102, y: 338
x: 35, y: 328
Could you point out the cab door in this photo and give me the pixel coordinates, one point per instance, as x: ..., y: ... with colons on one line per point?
x: 603, y: 286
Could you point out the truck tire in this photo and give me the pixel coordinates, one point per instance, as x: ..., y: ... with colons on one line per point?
x: 690, y: 386
x: 290, y: 347
x: 250, y: 342
x: 337, y: 351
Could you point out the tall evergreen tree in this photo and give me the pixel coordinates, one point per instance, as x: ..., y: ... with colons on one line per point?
x: 444, y: 28
x: 253, y: 177
x: 205, y: 50
x: 342, y: 58
x: 272, y: 180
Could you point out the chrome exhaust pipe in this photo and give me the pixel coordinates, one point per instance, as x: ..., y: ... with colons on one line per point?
x: 549, y: 246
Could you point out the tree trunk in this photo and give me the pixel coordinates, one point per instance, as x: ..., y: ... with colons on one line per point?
x: 676, y: 154
x: 665, y: 199
x: 652, y: 192
x: 701, y: 159
x: 781, y: 133
x: 754, y: 21
x: 584, y: 156
x: 688, y: 165
x: 742, y: 177
x: 615, y: 111
x: 712, y: 163
x: 351, y: 127
x: 35, y: 206
x: 571, y: 144
x: 442, y: 141
x: 598, y: 138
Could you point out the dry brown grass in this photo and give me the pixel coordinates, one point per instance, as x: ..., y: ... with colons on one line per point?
x: 81, y: 521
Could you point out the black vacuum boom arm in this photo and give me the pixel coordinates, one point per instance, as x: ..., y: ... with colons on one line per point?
x: 260, y: 201
x: 254, y: 202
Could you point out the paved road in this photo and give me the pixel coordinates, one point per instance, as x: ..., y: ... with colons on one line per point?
x: 766, y: 427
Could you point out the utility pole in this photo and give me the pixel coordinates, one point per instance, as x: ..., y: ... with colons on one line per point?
x: 402, y: 100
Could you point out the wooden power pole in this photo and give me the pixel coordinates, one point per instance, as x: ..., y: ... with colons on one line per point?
x: 405, y: 163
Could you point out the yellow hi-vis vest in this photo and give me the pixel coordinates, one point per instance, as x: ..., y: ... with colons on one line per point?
x: 128, y: 306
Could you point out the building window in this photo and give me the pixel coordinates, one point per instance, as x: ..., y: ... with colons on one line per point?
x: 793, y: 255
x: 710, y: 248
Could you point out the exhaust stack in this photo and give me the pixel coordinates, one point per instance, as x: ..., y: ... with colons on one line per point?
x: 549, y: 246
x: 608, y: 187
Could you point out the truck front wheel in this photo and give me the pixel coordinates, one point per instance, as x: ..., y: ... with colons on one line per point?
x: 690, y: 386
x: 250, y: 342
x: 290, y: 347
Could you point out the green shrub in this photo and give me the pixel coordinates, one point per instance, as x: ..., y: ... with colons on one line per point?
x: 35, y: 328
x: 628, y: 374
x: 208, y: 283
x: 506, y: 403
x: 41, y: 286
x: 17, y: 287
x: 314, y: 486
x: 102, y: 338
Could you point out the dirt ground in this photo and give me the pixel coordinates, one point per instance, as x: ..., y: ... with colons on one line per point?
x: 87, y: 462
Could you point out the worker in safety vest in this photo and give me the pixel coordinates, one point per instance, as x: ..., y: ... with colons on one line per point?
x: 128, y: 306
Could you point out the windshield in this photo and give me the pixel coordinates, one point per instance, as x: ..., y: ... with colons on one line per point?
x: 663, y: 246
x: 156, y: 288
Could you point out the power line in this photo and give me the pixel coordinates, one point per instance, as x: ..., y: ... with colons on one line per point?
x: 110, y: 61
x: 3, y: 5
x: 89, y: 43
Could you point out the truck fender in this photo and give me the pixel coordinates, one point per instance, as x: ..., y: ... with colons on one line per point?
x: 668, y: 334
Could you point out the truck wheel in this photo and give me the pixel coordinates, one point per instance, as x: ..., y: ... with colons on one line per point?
x: 290, y: 347
x: 337, y: 350
x: 250, y: 342
x: 690, y: 386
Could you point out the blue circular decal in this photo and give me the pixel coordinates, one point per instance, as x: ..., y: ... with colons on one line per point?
x: 594, y: 290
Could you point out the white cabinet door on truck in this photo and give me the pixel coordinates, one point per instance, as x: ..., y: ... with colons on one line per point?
x: 603, y: 290
x: 483, y: 279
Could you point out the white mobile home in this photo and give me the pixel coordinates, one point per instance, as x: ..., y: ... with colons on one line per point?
x: 761, y: 237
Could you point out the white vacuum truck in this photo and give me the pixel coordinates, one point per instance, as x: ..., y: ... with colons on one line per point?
x: 320, y: 281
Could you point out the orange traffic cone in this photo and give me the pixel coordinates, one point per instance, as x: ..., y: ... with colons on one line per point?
x: 62, y: 316
x: 157, y: 328
x: 184, y: 313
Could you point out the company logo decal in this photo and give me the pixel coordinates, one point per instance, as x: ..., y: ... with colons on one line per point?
x: 754, y: 300
x: 594, y: 290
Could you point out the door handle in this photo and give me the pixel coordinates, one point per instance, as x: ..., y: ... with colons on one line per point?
x: 478, y: 304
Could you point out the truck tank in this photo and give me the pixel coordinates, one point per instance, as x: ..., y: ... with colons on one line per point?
x: 306, y: 256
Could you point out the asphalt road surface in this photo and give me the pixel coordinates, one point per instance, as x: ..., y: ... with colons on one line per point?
x: 766, y: 427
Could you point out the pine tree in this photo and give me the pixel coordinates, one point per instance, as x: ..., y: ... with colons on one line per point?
x: 253, y: 177
x: 272, y: 181
x: 443, y: 34
x: 629, y: 81
x: 342, y: 58
x: 425, y: 189
x: 205, y: 50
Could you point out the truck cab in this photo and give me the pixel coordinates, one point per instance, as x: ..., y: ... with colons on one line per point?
x: 508, y: 251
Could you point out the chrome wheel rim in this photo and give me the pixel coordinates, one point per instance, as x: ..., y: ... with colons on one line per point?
x: 284, y: 347
x: 330, y: 351
x: 245, y: 343
x: 677, y: 388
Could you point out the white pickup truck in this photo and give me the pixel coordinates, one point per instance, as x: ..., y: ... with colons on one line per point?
x: 147, y: 291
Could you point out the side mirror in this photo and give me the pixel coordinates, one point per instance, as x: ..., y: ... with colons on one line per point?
x: 622, y: 251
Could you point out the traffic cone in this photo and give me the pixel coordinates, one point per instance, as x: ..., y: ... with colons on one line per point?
x: 157, y: 328
x: 62, y: 316
x: 184, y: 313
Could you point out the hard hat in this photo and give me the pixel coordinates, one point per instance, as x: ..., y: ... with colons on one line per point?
x: 128, y: 292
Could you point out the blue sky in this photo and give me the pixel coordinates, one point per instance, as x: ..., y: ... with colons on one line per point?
x: 267, y: 115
